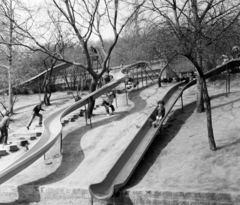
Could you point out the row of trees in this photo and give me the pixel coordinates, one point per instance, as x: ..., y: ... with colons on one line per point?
x: 65, y: 32
x: 140, y: 30
x: 199, y: 30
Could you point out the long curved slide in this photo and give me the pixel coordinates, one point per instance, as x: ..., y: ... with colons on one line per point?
x: 52, y: 126
x: 122, y: 170
x: 56, y: 69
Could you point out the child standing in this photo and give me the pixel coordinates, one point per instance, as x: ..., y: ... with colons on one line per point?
x: 4, y: 128
x: 108, y: 103
x: 35, y: 113
x: 160, y: 113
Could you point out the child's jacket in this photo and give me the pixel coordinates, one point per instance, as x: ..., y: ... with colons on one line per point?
x: 161, y: 112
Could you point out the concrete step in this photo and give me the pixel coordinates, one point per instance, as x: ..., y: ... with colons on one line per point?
x: 11, y: 147
x: 26, y: 133
x: 76, y: 116
x: 65, y: 121
x: 72, y: 119
x: 20, y: 142
x: 73, y: 115
x: 81, y: 114
x: 23, y: 138
x: 3, y: 152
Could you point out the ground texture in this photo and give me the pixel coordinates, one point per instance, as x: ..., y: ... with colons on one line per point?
x: 178, y: 167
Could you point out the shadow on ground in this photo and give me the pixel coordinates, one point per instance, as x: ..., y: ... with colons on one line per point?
x: 169, y: 131
x: 139, y: 103
x: 229, y: 145
x: 227, y: 103
x: 73, y: 155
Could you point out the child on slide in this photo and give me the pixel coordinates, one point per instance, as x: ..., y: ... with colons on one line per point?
x: 108, y: 103
x: 160, y: 113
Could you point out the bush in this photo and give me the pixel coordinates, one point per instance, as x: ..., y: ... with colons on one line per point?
x: 24, y: 91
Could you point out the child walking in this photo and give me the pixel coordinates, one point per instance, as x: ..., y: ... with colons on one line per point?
x: 160, y: 113
x: 4, y: 124
x: 108, y: 103
x: 35, y: 113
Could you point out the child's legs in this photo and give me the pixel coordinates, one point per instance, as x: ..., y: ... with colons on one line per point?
x: 40, y: 118
x: 112, y: 108
x: 105, y: 104
x: 158, y: 119
x: 32, y: 118
x: 107, y: 109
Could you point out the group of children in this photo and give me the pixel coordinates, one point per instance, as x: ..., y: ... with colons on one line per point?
x: 4, y: 123
x: 107, y: 103
x: 160, y: 112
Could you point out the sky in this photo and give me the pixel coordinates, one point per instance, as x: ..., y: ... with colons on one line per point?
x: 107, y: 31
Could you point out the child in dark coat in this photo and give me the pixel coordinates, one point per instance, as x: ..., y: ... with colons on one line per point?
x: 160, y: 113
x: 108, y: 103
x: 4, y: 128
x: 35, y: 113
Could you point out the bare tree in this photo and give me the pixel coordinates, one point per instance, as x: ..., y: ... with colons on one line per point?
x: 57, y: 48
x: 197, y: 25
x: 82, y: 19
x: 7, y: 31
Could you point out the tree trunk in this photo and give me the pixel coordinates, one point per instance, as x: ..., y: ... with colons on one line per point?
x: 211, y: 140
x: 47, y: 100
x: 159, y: 78
x: 10, y: 91
x: 91, y: 102
x: 200, y: 104
x: 47, y: 97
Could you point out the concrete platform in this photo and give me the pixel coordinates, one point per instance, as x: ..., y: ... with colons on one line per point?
x: 24, y: 133
x: 11, y: 147
x: 77, y: 196
x: 72, y: 119
x: 20, y: 142
x: 81, y: 113
x: 14, y: 139
x: 3, y: 151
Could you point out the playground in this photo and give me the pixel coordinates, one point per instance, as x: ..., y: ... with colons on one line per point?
x: 178, y: 165
x: 119, y: 102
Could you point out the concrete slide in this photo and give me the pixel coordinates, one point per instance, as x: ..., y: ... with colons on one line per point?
x: 124, y: 167
x: 52, y: 126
